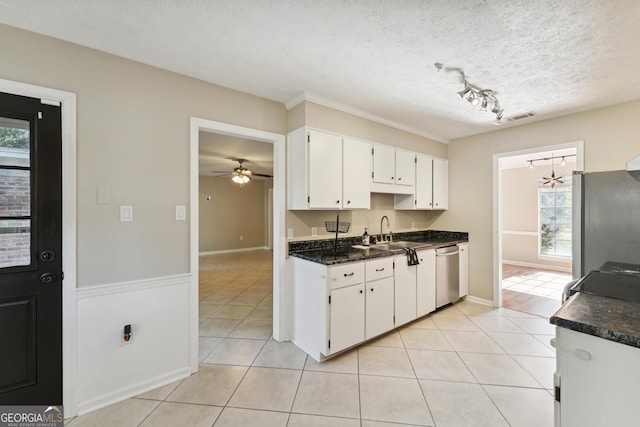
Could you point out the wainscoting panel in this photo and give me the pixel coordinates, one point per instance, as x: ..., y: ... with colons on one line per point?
x: 111, y: 369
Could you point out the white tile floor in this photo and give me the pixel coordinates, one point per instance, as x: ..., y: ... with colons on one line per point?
x: 466, y: 365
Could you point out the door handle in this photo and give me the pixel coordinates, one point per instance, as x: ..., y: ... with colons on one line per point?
x: 47, y: 278
x: 47, y: 256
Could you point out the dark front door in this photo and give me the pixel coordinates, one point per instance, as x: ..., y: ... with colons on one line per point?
x: 30, y: 252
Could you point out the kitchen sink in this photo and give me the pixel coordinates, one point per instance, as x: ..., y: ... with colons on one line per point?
x: 390, y: 246
x: 409, y: 244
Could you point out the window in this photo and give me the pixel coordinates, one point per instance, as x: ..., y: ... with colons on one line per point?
x: 555, y: 221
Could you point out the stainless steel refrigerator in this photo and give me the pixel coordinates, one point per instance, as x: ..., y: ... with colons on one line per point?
x: 606, y: 219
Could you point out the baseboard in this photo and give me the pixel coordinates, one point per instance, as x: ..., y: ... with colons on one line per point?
x: 479, y: 300
x: 229, y: 251
x: 131, y: 391
x: 540, y: 266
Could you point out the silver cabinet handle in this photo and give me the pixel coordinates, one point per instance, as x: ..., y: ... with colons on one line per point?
x: 380, y: 269
x: 348, y: 274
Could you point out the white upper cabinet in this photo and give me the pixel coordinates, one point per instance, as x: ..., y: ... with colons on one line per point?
x: 384, y: 164
x: 431, y: 185
x: 424, y: 183
x: 356, y: 174
x: 327, y: 171
x: 440, y: 184
x: 393, y: 170
x: 405, y: 168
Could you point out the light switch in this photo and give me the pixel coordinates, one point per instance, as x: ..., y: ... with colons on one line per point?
x: 181, y: 214
x: 103, y: 195
x: 126, y: 213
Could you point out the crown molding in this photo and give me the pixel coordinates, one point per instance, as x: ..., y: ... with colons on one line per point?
x: 309, y: 97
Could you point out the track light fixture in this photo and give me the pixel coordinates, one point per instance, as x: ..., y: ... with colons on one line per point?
x: 542, y: 159
x: 474, y: 95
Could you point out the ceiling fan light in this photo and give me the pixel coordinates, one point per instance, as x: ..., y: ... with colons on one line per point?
x: 240, y: 179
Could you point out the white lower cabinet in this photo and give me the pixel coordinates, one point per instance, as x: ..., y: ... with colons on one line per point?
x: 346, y: 317
x: 415, y: 286
x: 463, y: 273
x: 405, y: 290
x: 596, y: 381
x: 379, y: 297
x: 426, y: 283
x: 338, y: 307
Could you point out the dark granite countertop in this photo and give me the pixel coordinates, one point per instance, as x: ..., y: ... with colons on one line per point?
x: 604, y: 317
x: 324, y: 252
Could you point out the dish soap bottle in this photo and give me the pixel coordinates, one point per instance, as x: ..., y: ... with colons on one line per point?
x: 365, y: 238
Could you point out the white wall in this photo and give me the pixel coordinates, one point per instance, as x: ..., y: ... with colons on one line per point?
x: 610, y: 138
x: 519, y: 194
x: 133, y: 137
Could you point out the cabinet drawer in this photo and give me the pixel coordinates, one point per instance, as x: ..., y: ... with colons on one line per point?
x: 379, y: 268
x: 345, y: 275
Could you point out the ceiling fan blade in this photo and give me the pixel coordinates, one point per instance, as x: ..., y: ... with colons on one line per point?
x: 261, y: 174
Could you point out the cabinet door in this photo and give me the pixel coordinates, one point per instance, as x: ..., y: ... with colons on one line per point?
x: 325, y: 170
x: 405, y: 168
x: 347, y: 317
x: 463, y: 249
x: 440, y: 184
x: 424, y: 182
x: 426, y: 283
x: 379, y: 307
x: 384, y: 166
x: 356, y: 174
x: 404, y: 291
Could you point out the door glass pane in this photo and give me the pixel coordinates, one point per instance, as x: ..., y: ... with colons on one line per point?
x: 15, y: 243
x: 14, y: 142
x: 15, y: 192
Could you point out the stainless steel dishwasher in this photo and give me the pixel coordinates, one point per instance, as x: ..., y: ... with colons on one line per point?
x: 447, y: 275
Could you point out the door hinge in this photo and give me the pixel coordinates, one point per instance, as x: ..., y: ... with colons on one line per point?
x: 415, y: 160
x: 394, y: 265
x: 557, y: 393
x: 371, y: 174
x: 372, y: 151
x: 329, y: 346
x: 329, y: 299
x: 415, y: 202
x: 62, y: 275
x: 308, y: 199
x: 308, y: 138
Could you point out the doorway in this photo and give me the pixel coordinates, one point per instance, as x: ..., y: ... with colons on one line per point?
x: 523, y: 268
x: 281, y: 295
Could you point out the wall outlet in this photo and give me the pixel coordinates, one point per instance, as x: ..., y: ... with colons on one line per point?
x: 314, y: 231
x: 126, y: 213
x: 241, y: 237
x: 289, y: 233
x: 413, y: 225
x: 132, y: 334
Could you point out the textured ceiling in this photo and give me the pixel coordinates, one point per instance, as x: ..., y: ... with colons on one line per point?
x: 374, y: 57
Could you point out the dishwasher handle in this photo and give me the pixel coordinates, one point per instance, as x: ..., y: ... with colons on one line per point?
x: 447, y: 253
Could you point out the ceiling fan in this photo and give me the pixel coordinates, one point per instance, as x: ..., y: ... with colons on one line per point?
x: 240, y: 174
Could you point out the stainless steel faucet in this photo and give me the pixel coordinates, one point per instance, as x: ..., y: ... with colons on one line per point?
x: 388, y: 226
